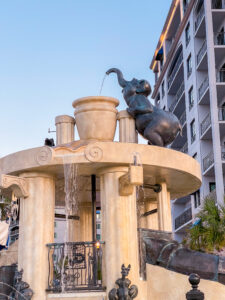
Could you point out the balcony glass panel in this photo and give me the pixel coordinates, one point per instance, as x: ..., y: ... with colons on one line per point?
x: 208, y: 160
x: 175, y: 69
x: 183, y: 218
x: 221, y: 76
x: 199, y: 17
x: 218, y: 4
x: 221, y: 113
x: 201, y: 52
x: 220, y: 38
x: 205, y: 124
x: 177, y: 97
x: 203, y: 87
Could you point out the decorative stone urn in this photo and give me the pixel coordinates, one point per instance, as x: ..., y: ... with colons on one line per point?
x: 96, y: 117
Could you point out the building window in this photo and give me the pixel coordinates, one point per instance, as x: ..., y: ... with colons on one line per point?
x: 55, y: 224
x: 197, y: 200
x: 212, y: 186
x: 193, y: 131
x: 187, y: 34
x: 189, y: 66
x: 98, y: 226
x: 191, y: 98
x: 185, y: 5
x: 55, y: 235
x: 98, y: 237
x: 156, y: 77
x: 163, y: 89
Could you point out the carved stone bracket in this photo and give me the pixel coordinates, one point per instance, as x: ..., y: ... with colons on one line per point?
x: 17, y: 184
x: 127, y: 181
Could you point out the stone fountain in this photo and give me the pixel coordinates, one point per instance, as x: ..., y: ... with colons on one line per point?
x: 118, y: 168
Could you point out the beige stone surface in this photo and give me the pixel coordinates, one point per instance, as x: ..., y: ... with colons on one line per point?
x: 36, y: 230
x: 127, y: 130
x: 79, y: 295
x: 119, y: 231
x: 96, y: 117
x: 64, y: 129
x: 164, y: 208
x: 167, y: 285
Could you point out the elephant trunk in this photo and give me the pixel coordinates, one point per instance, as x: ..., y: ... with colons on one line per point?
x: 121, y: 80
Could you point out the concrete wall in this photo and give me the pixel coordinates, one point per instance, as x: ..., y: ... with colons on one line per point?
x: 168, y: 285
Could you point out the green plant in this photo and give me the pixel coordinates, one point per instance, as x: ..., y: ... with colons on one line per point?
x: 209, y: 232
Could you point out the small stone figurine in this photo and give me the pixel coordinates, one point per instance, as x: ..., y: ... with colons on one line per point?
x: 22, y: 290
x: 124, y: 291
x: 159, y: 127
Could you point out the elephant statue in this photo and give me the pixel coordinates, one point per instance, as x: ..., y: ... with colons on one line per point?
x: 159, y: 127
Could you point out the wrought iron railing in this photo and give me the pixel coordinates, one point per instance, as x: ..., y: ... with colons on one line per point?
x: 183, y: 118
x: 203, y: 87
x: 182, y: 219
x: 199, y: 17
x: 221, y: 76
x: 177, y: 97
x: 208, y: 160
x: 205, y: 124
x: 74, y: 266
x: 221, y: 111
x: 201, y: 52
x: 220, y: 38
x: 218, y: 4
x: 175, y: 69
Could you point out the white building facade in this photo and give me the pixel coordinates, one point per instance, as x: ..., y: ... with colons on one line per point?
x: 189, y: 67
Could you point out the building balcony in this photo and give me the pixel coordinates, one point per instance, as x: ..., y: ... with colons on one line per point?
x: 177, y: 98
x: 183, y: 220
x: 219, y: 39
x: 205, y: 128
x: 174, y: 84
x: 183, y: 119
x: 74, y: 266
x: 221, y: 76
x: 202, y: 63
x: 218, y: 4
x: 203, y: 92
x: 208, y: 162
x: 183, y: 149
x: 182, y: 200
x: 200, y: 23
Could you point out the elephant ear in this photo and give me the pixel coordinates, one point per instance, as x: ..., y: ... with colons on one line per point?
x: 113, y: 294
x: 133, y: 291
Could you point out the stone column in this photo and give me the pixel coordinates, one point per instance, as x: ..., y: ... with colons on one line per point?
x: 64, y: 129
x: 85, y: 222
x: 164, y: 209
x: 36, y: 230
x: 119, y: 230
x: 127, y: 131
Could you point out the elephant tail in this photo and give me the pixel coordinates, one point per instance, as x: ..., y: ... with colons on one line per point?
x: 121, y: 80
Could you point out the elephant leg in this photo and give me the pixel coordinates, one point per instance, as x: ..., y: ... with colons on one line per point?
x: 153, y: 137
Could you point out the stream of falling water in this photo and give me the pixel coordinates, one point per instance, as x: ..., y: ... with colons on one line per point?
x: 100, y: 91
x: 71, y: 206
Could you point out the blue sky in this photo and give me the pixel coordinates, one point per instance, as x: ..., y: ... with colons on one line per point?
x: 53, y: 52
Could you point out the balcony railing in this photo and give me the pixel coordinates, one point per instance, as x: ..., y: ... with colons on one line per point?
x: 208, y: 161
x: 203, y: 87
x: 175, y: 69
x: 199, y: 17
x: 205, y: 124
x: 221, y: 111
x: 177, y: 97
x: 201, y: 52
x: 221, y: 76
x: 182, y: 219
x: 218, y: 4
x: 220, y: 38
x: 74, y: 266
x: 183, y: 118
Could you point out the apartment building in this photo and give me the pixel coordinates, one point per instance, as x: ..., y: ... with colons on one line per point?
x: 189, y: 67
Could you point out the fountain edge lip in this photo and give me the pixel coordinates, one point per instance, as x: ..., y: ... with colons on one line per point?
x: 108, y: 99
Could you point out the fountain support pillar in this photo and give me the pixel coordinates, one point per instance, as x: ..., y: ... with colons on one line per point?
x: 127, y: 131
x: 64, y: 129
x: 119, y: 230
x: 164, y: 209
x: 36, y: 230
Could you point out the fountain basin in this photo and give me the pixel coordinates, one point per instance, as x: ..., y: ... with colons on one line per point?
x: 96, y: 117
